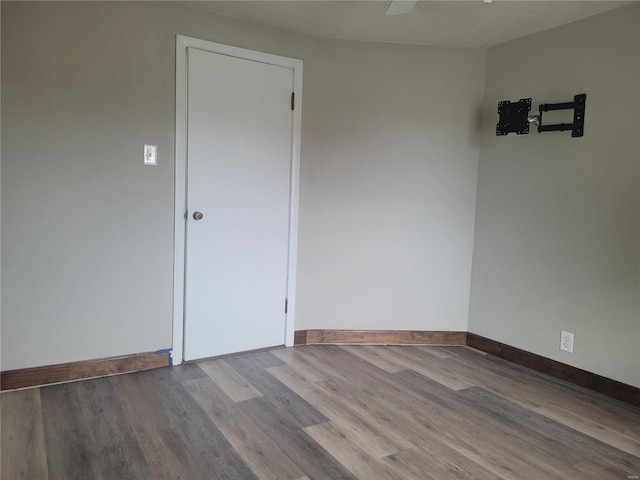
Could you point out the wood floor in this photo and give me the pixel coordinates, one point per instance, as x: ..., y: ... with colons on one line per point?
x: 322, y: 412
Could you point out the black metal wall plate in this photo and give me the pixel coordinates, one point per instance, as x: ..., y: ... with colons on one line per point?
x: 578, y: 106
x: 578, y: 115
x: 513, y: 117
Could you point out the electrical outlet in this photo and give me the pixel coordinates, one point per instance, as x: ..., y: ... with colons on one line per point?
x: 566, y: 341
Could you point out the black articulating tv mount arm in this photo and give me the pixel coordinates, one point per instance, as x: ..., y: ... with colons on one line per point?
x: 514, y: 116
x: 577, y: 127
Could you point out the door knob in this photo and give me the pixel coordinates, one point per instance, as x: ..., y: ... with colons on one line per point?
x: 198, y: 216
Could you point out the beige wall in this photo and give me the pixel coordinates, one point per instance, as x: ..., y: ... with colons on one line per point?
x: 557, y: 243
x: 389, y: 165
x: 388, y: 186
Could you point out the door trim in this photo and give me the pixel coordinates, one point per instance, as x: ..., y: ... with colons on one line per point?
x: 180, y: 202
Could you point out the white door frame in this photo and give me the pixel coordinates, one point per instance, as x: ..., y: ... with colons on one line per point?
x: 182, y: 44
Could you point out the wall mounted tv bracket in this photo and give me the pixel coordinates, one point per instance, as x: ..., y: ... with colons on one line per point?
x: 514, y: 116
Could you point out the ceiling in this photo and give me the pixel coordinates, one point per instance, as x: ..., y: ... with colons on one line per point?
x: 456, y: 23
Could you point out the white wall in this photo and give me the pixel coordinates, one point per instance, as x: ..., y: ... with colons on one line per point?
x: 557, y: 243
x: 388, y: 194
x: 389, y: 165
x: 86, y: 262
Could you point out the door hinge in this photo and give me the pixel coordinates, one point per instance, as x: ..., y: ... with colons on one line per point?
x: 186, y: 214
x: 286, y: 305
x: 293, y: 100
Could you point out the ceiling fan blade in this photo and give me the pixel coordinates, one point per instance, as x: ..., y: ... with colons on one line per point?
x: 400, y: 7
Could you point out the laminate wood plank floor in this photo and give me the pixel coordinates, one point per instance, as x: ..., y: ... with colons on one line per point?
x: 321, y: 412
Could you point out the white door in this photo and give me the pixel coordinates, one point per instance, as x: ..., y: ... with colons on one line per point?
x: 239, y: 153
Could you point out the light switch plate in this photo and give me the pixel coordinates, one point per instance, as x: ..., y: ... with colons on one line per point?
x: 150, y: 155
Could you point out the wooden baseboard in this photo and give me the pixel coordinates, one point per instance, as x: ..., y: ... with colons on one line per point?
x: 604, y: 385
x: 64, y: 372
x: 29, y: 377
x: 300, y: 337
x: 380, y: 337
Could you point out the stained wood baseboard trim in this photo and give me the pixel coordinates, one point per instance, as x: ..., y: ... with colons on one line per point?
x: 64, y: 372
x: 612, y: 388
x: 29, y: 377
x: 577, y: 376
x: 300, y: 337
x: 380, y: 337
